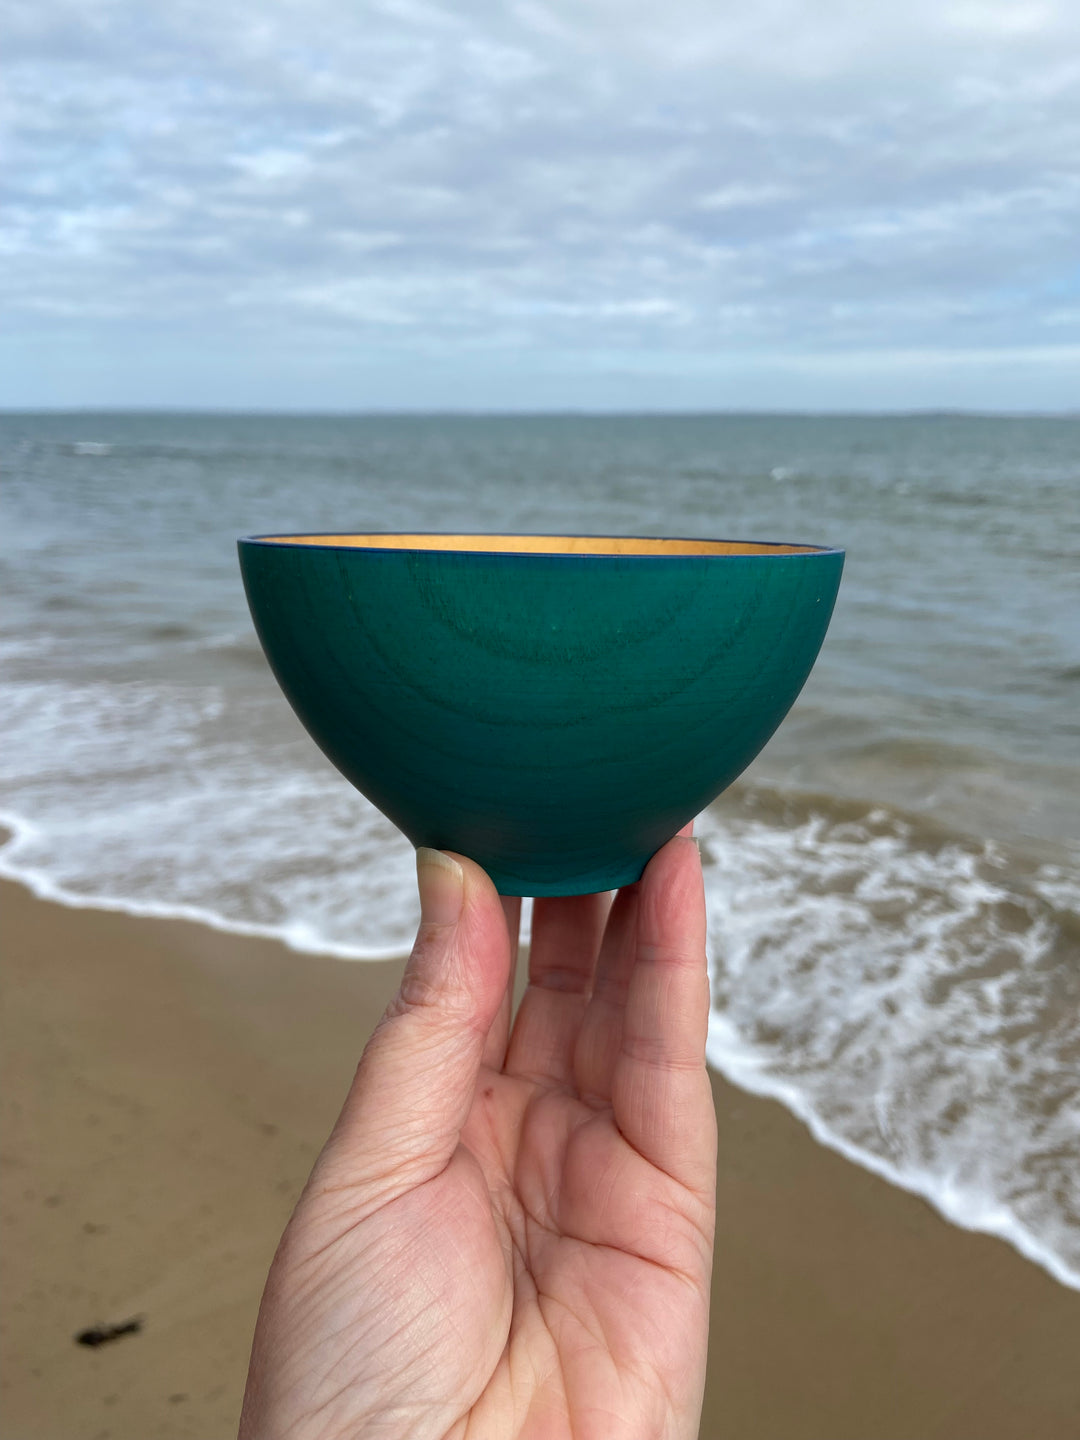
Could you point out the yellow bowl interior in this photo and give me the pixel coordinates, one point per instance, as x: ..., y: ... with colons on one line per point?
x: 545, y: 544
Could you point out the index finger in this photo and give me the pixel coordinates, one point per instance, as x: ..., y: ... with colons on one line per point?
x: 661, y: 1096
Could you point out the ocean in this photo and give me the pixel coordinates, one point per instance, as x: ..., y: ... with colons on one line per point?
x: 893, y: 886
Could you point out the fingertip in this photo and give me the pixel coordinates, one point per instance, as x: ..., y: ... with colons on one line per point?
x: 440, y: 881
x: 673, y: 893
x: 683, y: 849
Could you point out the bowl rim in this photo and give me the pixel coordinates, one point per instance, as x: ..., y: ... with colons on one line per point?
x: 725, y: 549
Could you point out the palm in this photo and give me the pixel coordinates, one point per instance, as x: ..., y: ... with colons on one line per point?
x: 551, y: 1277
x: 608, y: 1274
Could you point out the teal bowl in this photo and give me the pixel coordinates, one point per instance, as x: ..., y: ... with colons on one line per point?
x: 554, y: 707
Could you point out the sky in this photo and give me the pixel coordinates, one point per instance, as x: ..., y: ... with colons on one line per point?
x: 355, y: 205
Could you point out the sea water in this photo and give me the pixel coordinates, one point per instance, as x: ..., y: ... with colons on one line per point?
x: 893, y: 886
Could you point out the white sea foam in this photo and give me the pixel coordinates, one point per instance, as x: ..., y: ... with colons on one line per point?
x: 171, y: 801
x: 1059, y: 888
x: 904, y: 1001
x: 299, y: 937
x: 967, y: 1209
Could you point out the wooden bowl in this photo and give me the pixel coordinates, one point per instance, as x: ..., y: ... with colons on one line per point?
x: 554, y: 707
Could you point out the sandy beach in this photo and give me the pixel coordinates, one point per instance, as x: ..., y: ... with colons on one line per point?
x: 166, y: 1087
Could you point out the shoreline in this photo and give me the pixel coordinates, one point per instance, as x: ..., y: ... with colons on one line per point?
x: 52, y: 893
x: 167, y: 1086
x: 1000, y: 1225
x: 998, y: 1222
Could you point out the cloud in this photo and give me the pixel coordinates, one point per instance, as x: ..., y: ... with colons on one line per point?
x: 582, y: 179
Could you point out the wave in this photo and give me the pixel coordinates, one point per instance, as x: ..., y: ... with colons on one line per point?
x: 87, y: 447
x: 913, y: 997
x: 302, y: 938
x: 981, y: 1214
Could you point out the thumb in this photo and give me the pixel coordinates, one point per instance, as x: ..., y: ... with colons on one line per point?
x: 416, y: 1080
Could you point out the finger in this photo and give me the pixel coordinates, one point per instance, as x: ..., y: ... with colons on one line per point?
x: 416, y: 1080
x: 499, y: 1034
x: 600, y: 1035
x: 566, y: 934
x: 661, y: 1096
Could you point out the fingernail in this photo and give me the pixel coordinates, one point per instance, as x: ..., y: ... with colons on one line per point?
x: 441, y: 882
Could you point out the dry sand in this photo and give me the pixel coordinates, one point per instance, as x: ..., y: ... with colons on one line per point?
x: 166, y: 1088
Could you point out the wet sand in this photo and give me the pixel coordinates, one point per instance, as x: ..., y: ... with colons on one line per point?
x: 166, y: 1088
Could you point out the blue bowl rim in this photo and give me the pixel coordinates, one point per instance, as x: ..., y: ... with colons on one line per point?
x: 783, y: 549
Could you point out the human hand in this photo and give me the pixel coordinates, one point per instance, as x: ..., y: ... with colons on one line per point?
x: 509, y: 1232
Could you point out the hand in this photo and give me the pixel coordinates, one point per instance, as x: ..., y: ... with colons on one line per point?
x: 509, y: 1234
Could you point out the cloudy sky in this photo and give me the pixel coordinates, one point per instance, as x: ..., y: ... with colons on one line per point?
x: 599, y: 204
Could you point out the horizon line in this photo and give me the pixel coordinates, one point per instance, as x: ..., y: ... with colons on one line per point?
x: 553, y: 413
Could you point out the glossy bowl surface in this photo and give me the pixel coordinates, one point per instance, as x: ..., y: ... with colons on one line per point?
x: 554, y: 707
